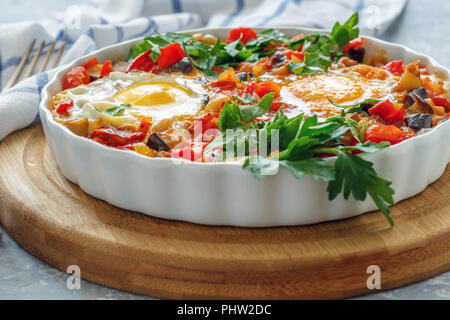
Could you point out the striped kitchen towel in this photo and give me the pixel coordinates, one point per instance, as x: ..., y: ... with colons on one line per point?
x: 99, y: 23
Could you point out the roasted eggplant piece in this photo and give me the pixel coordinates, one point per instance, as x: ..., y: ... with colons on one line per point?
x: 356, y: 54
x: 184, y: 65
x: 417, y: 101
x: 420, y: 92
x: 278, y: 58
x: 418, y: 121
x: 245, y: 76
x: 156, y: 143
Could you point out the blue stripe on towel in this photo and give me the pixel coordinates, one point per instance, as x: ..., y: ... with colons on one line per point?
x: 176, y: 6
x: 277, y: 12
x: 30, y: 90
x: 240, y: 4
x: 41, y: 81
x: 120, y: 33
x: 151, y: 24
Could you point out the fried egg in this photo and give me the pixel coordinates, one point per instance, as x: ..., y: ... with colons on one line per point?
x: 148, y: 96
x: 309, y: 94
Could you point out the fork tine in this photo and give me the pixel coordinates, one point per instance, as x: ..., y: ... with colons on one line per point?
x: 19, y: 69
x: 47, y: 57
x: 58, y: 57
x: 34, y: 61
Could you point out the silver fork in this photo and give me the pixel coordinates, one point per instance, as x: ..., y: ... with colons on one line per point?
x: 34, y: 61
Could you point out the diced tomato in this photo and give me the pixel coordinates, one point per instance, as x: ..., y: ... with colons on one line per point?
x: 170, y: 54
x: 76, y: 77
x: 394, y: 67
x: 114, y: 138
x: 142, y: 62
x: 91, y: 63
x: 144, y: 126
x: 354, y: 44
x: 298, y: 37
x: 299, y: 55
x: 379, y: 132
x: 388, y: 112
x: 64, y: 106
x: 276, y: 105
x: 106, y: 69
x: 442, y: 102
x: 249, y: 89
x: 267, y: 86
x: 247, y: 34
x: 210, y: 121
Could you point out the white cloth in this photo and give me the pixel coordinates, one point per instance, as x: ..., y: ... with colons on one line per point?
x: 99, y: 23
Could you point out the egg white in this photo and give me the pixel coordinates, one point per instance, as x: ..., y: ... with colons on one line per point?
x: 181, y: 96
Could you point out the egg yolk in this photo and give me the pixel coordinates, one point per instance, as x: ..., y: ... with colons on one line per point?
x: 317, y: 89
x: 153, y: 94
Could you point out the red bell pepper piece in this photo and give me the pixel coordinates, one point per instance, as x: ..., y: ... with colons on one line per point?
x: 142, y: 62
x: 442, y: 102
x: 114, y: 138
x: 106, y: 69
x: 247, y: 34
x: 379, y: 132
x: 224, y: 85
x: 300, y: 55
x: 91, y: 63
x: 144, y: 126
x: 170, y: 54
x: 354, y: 44
x: 76, y: 77
x: 388, y: 112
x: 267, y: 86
x: 64, y: 106
x: 394, y: 67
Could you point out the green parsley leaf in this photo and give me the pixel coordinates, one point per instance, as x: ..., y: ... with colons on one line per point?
x: 230, y: 117
x: 117, y: 110
x: 353, y: 176
x: 246, y: 100
x: 250, y: 112
x: 315, y: 167
x: 381, y: 193
x: 341, y: 35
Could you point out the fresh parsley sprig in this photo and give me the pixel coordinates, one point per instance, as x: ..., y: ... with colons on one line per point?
x: 302, y: 143
x: 320, y: 49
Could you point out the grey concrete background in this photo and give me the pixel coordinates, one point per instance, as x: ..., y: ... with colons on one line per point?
x: 424, y: 26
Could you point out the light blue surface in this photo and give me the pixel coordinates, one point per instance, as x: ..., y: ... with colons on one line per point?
x: 424, y: 27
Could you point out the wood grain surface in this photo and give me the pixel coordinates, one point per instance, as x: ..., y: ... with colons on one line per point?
x: 60, y: 224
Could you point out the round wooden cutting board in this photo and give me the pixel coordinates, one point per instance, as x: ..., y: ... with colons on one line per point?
x: 60, y: 224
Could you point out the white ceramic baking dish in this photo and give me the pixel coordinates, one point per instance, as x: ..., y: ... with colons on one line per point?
x: 223, y: 193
